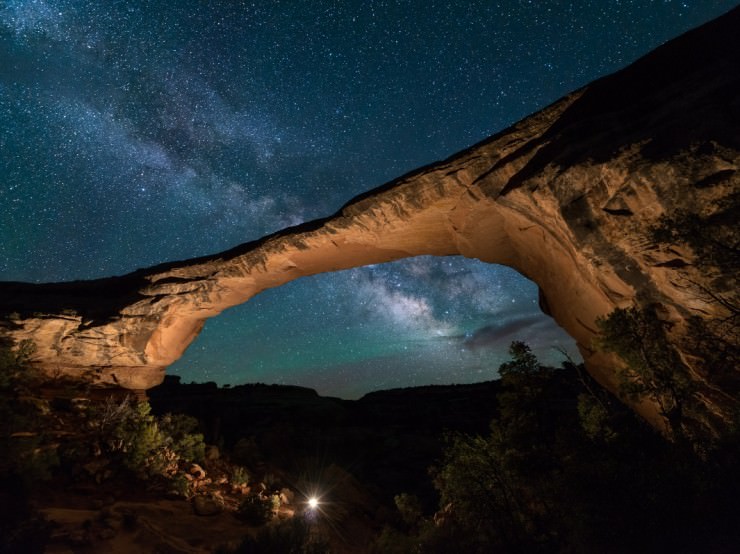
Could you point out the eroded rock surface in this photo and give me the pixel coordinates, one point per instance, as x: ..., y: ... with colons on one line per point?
x: 570, y: 197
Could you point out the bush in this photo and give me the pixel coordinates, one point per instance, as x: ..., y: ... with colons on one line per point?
x: 128, y: 433
x: 14, y: 368
x: 653, y: 368
x: 275, y: 502
x: 239, y: 476
x: 135, y: 435
x: 27, y: 451
x: 183, y: 436
x: 497, y: 492
x: 595, y: 418
x: 540, y: 482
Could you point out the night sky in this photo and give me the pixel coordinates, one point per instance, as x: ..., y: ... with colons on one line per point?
x: 133, y: 133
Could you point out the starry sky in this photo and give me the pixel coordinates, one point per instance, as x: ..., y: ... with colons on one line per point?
x: 136, y: 132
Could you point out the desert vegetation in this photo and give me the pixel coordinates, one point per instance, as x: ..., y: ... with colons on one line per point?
x: 64, y: 442
x: 540, y: 460
x: 567, y: 468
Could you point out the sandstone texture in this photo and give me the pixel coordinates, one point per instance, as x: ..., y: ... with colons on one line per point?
x: 571, y: 197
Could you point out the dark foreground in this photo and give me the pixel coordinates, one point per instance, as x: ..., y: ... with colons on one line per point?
x: 539, y: 461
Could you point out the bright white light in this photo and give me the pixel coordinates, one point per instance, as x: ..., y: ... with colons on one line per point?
x: 313, y: 502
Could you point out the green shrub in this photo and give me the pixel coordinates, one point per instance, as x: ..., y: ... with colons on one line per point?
x: 183, y: 436
x: 239, y: 476
x: 16, y: 375
x: 142, y: 443
x: 27, y: 451
x: 275, y: 502
x: 148, y: 446
x: 653, y: 368
x: 127, y: 433
x: 595, y: 418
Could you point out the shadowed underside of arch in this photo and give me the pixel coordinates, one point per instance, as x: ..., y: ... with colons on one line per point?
x: 569, y: 197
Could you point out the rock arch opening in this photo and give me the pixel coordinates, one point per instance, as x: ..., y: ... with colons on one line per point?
x: 418, y: 321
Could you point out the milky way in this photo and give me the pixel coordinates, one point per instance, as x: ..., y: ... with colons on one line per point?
x: 132, y: 133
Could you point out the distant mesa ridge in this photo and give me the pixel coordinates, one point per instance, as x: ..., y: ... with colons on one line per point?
x: 569, y: 196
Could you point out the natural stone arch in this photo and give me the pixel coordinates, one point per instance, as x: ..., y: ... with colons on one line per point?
x: 568, y: 197
x: 131, y: 328
x: 440, y: 210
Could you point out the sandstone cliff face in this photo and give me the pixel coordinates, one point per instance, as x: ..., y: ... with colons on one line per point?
x: 570, y: 197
